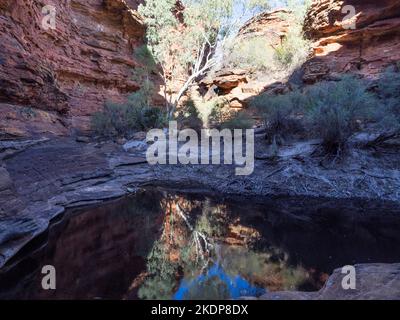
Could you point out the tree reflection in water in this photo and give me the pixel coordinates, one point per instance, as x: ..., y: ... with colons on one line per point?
x: 199, y: 256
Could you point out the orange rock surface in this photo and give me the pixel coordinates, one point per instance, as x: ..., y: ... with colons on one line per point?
x: 367, y: 49
x: 52, y: 81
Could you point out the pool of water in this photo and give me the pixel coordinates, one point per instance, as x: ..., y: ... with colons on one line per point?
x: 161, y: 244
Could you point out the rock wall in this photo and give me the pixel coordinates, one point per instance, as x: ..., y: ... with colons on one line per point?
x: 52, y: 81
x: 272, y: 25
x: 367, y: 50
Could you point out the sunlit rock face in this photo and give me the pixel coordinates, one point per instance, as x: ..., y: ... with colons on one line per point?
x: 52, y: 81
x: 366, y: 49
x: 238, y: 85
x: 272, y: 25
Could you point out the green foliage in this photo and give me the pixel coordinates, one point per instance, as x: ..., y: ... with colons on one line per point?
x: 110, y: 122
x: 188, y: 47
x: 280, y: 114
x: 336, y: 110
x: 162, y: 284
x: 260, y: 54
x: 240, y: 120
x: 142, y: 73
x: 221, y: 117
x: 145, y: 57
x: 294, y: 50
x: 389, y: 92
x: 189, y: 116
x: 218, y: 113
x: 298, y: 8
x: 138, y: 113
x: 254, y: 54
x: 332, y: 111
x: 123, y: 119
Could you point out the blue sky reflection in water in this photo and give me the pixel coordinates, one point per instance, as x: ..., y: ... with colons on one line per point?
x: 232, y: 287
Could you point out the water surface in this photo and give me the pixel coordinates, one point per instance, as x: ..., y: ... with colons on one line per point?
x: 167, y: 245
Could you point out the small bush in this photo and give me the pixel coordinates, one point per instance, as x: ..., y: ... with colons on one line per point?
x: 253, y: 54
x: 389, y: 92
x: 124, y: 119
x: 280, y: 114
x: 332, y: 111
x: 294, y: 50
x: 189, y: 116
x: 261, y: 54
x: 336, y: 110
x: 219, y: 113
x: 238, y: 121
x: 222, y: 117
x: 111, y: 121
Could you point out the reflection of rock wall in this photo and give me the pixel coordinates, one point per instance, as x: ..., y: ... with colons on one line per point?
x: 53, y: 80
x: 97, y: 254
x: 367, y: 50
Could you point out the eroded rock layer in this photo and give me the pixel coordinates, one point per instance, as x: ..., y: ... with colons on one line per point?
x: 52, y: 81
x: 365, y: 43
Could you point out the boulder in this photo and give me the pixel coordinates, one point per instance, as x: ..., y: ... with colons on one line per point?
x: 135, y: 145
x: 373, y: 282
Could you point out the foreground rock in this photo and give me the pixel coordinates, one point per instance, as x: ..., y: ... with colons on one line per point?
x: 373, y: 281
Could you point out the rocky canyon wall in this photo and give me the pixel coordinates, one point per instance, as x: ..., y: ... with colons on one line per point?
x: 52, y: 81
x: 366, y: 49
x: 365, y: 43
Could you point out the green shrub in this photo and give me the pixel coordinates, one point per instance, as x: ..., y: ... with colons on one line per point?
x: 254, y: 54
x: 336, y: 110
x: 111, y: 121
x: 238, y: 121
x: 262, y: 54
x: 189, y: 116
x: 280, y: 114
x: 389, y: 92
x: 222, y: 117
x: 137, y: 114
x: 331, y: 111
x: 124, y: 119
x: 294, y: 50
x: 219, y: 113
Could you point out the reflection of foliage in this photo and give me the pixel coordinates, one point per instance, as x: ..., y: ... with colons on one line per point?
x: 212, y: 222
x: 187, y: 249
x: 183, y: 244
x: 269, y: 268
x: 162, y: 284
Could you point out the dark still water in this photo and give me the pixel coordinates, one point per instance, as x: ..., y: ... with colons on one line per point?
x: 166, y: 245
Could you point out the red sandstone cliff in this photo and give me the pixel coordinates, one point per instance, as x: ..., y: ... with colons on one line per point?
x: 368, y: 49
x: 52, y: 81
